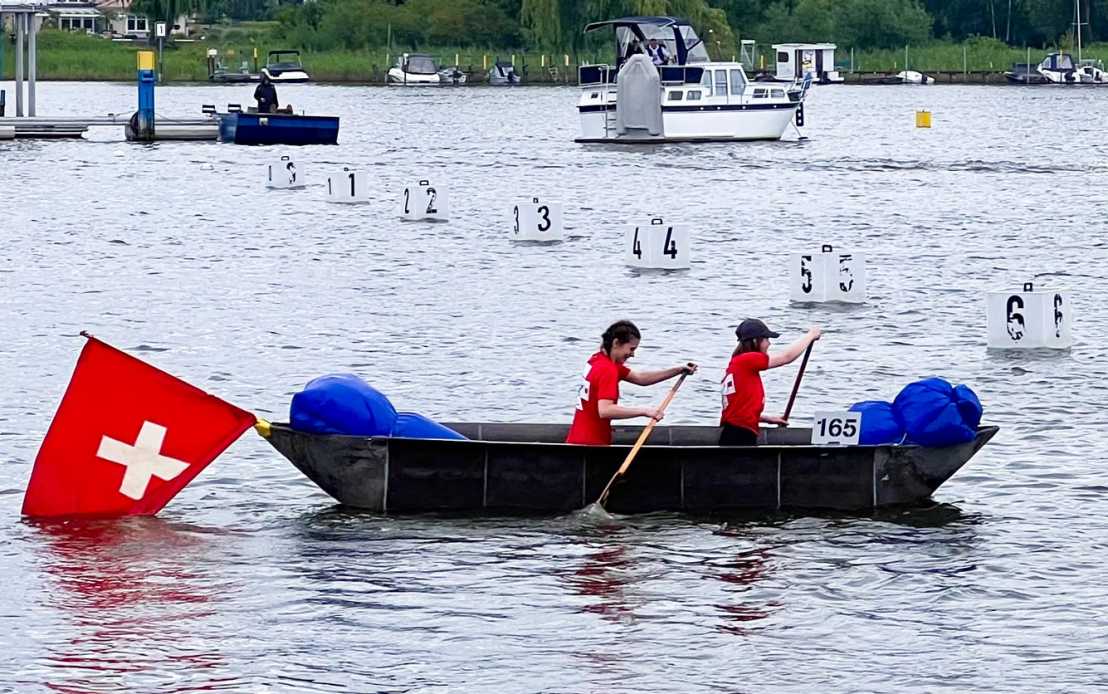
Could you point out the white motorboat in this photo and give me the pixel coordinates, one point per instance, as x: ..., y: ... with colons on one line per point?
x: 503, y: 73
x: 284, y: 67
x: 1059, y: 68
x: 414, y: 70
x: 1091, y: 72
x: 692, y: 99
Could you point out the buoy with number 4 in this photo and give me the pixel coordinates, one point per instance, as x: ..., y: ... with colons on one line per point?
x: 537, y: 221
x: 1029, y: 319
x: 424, y: 201
x: 347, y: 186
x: 283, y: 175
x: 827, y: 276
x: 657, y: 245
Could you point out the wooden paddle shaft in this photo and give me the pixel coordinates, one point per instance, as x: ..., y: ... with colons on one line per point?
x: 796, y: 384
x: 641, y: 440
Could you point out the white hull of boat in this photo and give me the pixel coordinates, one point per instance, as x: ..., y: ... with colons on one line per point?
x: 686, y: 125
x: 288, y: 77
x: 397, y: 78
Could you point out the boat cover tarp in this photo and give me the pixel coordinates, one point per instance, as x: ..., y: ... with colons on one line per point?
x: 935, y: 413
x: 880, y: 424
x: 345, y: 404
x: 639, y: 96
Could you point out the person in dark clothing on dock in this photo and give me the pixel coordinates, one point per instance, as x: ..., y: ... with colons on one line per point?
x: 266, y: 95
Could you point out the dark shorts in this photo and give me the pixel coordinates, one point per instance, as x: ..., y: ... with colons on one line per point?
x: 737, y: 436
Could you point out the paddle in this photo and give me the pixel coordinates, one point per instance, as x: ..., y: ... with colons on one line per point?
x: 638, y: 444
x: 796, y: 384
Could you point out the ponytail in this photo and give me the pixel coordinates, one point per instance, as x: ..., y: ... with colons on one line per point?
x: 623, y: 330
x: 750, y: 344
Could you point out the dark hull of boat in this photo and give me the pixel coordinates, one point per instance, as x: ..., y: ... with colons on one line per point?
x: 520, y: 468
x: 278, y: 129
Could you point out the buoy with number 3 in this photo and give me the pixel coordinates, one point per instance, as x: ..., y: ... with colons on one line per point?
x: 283, y: 175
x: 657, y: 245
x: 347, y: 186
x: 424, y: 201
x: 534, y: 220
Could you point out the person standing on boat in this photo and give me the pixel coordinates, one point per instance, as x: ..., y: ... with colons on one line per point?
x: 657, y: 52
x: 266, y: 95
x: 744, y: 398
x: 598, y: 393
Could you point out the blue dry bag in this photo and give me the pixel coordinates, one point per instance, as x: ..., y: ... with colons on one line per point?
x: 879, y: 423
x: 342, y: 404
x: 410, y: 425
x: 935, y: 413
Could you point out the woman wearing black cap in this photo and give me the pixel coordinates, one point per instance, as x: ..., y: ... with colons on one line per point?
x: 743, y: 395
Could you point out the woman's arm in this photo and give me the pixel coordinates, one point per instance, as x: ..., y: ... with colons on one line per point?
x: 790, y: 353
x: 609, y: 410
x: 649, y: 378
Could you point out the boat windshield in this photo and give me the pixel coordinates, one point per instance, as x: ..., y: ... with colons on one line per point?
x: 286, y: 61
x: 420, y: 65
x: 628, y: 39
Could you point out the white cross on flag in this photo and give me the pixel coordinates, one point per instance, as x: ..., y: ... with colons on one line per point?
x: 126, y: 438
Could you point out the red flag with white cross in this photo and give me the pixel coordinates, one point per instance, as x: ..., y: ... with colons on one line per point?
x: 126, y: 438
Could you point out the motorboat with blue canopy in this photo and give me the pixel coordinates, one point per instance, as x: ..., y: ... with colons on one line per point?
x: 663, y: 86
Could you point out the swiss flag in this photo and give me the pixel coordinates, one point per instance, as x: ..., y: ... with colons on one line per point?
x: 126, y: 438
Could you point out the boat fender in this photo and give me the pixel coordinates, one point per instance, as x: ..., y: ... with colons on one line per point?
x: 342, y: 404
x: 935, y: 413
x: 880, y: 425
x: 410, y: 425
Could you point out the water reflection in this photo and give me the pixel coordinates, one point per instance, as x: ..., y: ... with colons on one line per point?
x: 134, y: 596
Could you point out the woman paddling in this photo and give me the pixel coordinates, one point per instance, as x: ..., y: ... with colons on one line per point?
x: 743, y: 395
x: 598, y: 394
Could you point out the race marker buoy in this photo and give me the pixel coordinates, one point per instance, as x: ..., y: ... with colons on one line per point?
x: 1029, y: 319
x: 424, y: 201
x: 533, y: 220
x: 283, y: 175
x: 923, y: 119
x: 657, y: 245
x: 827, y: 276
x: 347, y: 186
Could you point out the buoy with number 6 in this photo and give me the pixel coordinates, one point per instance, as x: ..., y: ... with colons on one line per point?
x: 827, y: 276
x: 283, y: 175
x: 347, y: 186
x: 657, y: 245
x: 424, y: 201
x: 537, y: 221
x: 1029, y: 319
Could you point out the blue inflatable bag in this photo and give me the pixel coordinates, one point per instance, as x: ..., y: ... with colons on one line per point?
x: 879, y: 423
x: 410, y: 425
x: 935, y: 413
x: 342, y: 404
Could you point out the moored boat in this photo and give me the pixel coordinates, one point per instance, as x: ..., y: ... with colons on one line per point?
x: 284, y: 67
x: 278, y: 129
x: 690, y: 98
x: 525, y: 468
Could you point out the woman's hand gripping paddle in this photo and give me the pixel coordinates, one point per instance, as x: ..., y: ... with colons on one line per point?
x: 796, y: 384
x: 639, y: 443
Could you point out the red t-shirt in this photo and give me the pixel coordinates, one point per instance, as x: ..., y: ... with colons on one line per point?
x: 743, y: 395
x: 599, y: 382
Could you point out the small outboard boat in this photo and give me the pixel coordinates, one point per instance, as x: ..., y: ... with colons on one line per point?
x: 452, y: 76
x: 414, y: 70
x: 253, y: 128
x: 503, y: 74
x: 1025, y: 73
x: 219, y: 72
x: 284, y: 67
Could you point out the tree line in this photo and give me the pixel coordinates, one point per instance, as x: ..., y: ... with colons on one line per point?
x: 555, y: 25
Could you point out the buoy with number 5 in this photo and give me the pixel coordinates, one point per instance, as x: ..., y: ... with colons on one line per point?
x: 424, y: 201
x: 347, y: 186
x: 283, y: 175
x: 1029, y: 319
x: 537, y: 221
x: 657, y: 245
x: 827, y: 276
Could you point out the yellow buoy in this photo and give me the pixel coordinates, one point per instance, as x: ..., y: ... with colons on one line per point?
x: 923, y: 119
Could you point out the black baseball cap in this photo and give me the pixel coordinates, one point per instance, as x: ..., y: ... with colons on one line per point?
x: 752, y: 328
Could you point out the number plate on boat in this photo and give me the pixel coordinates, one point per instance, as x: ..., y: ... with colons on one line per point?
x: 836, y: 428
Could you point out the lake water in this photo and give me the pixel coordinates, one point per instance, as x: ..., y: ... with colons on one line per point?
x: 253, y: 580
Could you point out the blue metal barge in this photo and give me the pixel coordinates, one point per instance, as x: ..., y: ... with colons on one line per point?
x: 278, y: 129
